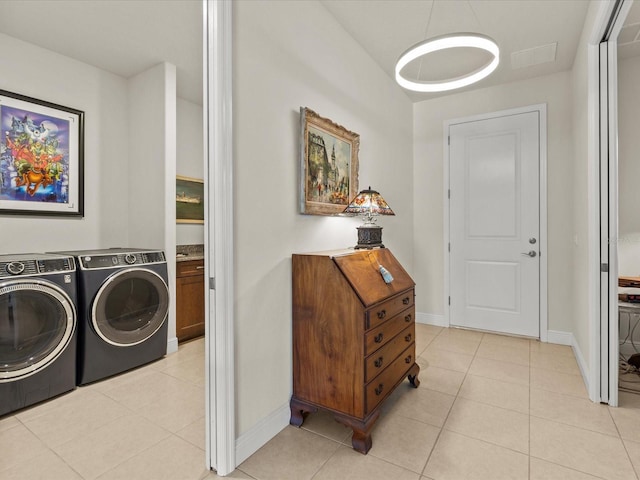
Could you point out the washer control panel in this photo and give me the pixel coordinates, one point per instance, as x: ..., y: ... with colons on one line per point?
x: 23, y: 265
x: 15, y: 268
x: 56, y: 265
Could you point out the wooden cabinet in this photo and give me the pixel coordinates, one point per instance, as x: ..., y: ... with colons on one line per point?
x: 353, y: 336
x: 189, y: 299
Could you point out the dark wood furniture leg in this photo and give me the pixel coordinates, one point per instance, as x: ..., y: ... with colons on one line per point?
x: 412, y: 376
x: 298, y: 410
x: 361, y: 439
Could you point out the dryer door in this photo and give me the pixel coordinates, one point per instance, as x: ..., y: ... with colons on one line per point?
x: 130, y: 307
x: 37, y: 321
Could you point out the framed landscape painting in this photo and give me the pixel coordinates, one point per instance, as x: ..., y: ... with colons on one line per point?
x: 328, y: 165
x: 41, y: 157
x: 189, y: 200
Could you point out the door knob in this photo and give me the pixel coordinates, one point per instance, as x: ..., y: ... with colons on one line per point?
x: 530, y: 253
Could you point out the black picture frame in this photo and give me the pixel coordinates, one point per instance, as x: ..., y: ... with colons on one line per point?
x: 41, y: 157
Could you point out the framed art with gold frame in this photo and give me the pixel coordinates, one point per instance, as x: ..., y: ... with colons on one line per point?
x: 328, y: 165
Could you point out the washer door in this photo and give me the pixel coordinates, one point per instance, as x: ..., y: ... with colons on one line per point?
x: 37, y: 321
x: 130, y: 307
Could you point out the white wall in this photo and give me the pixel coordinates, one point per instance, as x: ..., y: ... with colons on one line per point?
x: 629, y: 144
x: 288, y: 55
x: 152, y: 170
x: 103, y: 98
x: 584, y: 191
x: 580, y: 302
x: 554, y: 90
x: 146, y: 172
x: 189, y: 161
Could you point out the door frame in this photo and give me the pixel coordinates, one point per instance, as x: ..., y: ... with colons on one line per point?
x: 220, y: 436
x: 541, y: 109
x: 603, y: 205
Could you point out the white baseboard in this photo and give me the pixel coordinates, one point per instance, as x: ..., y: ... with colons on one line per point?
x: 249, y: 442
x: 567, y: 338
x: 560, y: 338
x: 172, y: 345
x: 431, y: 319
x: 584, y: 368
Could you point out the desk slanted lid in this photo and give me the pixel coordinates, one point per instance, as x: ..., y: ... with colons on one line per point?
x: 361, y: 269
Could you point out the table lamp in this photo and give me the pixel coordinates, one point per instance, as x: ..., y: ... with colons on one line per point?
x: 369, y: 204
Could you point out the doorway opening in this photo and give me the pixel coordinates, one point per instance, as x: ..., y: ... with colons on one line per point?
x: 619, y: 232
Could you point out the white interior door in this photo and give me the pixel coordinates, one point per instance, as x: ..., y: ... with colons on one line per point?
x: 494, y: 231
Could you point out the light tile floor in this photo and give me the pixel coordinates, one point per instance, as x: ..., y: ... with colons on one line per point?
x: 488, y: 407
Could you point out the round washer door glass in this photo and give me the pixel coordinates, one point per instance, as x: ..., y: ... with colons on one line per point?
x: 130, y: 307
x: 37, y: 321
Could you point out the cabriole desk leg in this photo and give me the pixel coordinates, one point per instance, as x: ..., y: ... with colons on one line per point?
x: 412, y: 376
x: 361, y: 439
x: 298, y: 410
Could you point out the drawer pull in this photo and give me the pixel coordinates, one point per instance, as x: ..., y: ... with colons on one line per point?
x: 200, y: 267
x: 378, y: 362
x: 408, y: 337
x: 378, y: 338
x: 406, y: 300
x: 408, y: 359
x: 407, y: 318
x: 379, y: 389
x: 382, y: 314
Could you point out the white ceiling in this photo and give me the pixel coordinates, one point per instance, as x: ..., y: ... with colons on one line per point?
x: 629, y: 37
x: 128, y: 36
x: 124, y: 37
x: 386, y: 28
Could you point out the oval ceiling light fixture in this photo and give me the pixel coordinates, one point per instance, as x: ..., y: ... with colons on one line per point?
x: 444, y: 42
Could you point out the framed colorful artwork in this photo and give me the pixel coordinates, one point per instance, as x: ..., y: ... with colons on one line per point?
x: 328, y: 165
x: 189, y: 200
x: 41, y: 157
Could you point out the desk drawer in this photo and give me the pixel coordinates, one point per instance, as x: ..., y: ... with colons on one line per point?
x: 381, y: 313
x: 378, y: 389
x: 378, y: 361
x: 378, y: 337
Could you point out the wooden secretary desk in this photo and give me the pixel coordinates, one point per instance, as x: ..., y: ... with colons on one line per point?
x: 353, y: 336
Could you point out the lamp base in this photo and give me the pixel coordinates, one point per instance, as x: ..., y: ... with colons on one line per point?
x: 369, y: 237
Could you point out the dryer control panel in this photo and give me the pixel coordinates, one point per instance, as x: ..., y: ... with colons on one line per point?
x: 119, y: 259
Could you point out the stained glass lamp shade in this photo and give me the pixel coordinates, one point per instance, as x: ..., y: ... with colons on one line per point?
x: 369, y: 204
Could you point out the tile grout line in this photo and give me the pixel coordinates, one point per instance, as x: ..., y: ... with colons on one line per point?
x: 530, y: 415
x: 339, y: 445
x: 435, y: 444
x: 488, y: 442
x: 78, y: 394
x: 66, y: 463
x: 569, y: 425
x: 624, y: 445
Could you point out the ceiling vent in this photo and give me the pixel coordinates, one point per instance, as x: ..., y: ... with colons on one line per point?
x: 534, y: 56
